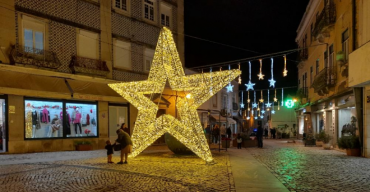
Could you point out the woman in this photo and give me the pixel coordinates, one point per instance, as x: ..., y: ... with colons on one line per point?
x: 126, y: 144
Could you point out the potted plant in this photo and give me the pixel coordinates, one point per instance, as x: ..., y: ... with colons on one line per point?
x: 351, y: 144
x: 319, y: 143
x: 325, y: 138
x: 83, y: 145
x: 309, y: 140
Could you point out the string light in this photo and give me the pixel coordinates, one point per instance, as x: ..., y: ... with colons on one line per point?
x: 268, y: 104
x: 272, y: 81
x: 285, y: 72
x: 278, y: 106
x: 282, y: 97
x: 248, y: 97
x: 260, y: 75
x: 250, y: 84
x: 166, y: 66
x: 240, y: 78
x: 242, y: 104
x: 261, y: 100
x: 275, y: 98
x: 254, y: 104
x: 273, y: 109
x: 229, y: 87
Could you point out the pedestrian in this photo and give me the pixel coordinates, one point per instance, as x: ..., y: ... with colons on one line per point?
x: 273, y: 131
x: 216, y: 134
x: 228, y: 132
x: 125, y: 128
x: 266, y: 133
x: 126, y: 144
x: 223, y: 131
x: 109, y: 148
x: 239, y: 140
x: 260, y: 136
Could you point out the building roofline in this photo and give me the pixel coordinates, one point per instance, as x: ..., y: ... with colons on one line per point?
x: 306, y: 18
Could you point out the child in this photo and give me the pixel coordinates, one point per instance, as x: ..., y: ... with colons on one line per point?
x: 109, y: 148
x: 239, y: 140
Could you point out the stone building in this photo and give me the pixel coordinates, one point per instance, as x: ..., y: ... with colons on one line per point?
x: 56, y: 60
x: 326, y: 38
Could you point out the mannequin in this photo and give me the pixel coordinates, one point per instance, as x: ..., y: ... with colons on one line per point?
x: 55, y: 126
x: 77, y: 122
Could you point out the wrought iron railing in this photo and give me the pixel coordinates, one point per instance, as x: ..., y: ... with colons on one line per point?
x: 88, y: 66
x: 303, y: 92
x: 20, y: 55
x: 326, y: 18
x: 325, y: 79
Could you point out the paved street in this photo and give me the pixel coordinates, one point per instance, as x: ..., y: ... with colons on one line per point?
x: 279, y: 166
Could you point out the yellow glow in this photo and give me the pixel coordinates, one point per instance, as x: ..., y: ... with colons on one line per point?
x: 188, y: 96
x: 294, y: 100
x: 187, y: 129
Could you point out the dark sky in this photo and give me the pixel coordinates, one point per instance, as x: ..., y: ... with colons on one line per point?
x: 264, y: 26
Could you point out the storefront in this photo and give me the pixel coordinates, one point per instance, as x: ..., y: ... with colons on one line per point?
x: 3, y: 125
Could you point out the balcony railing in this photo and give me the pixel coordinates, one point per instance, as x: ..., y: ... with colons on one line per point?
x: 32, y: 57
x: 88, y: 66
x: 324, y: 80
x: 302, y: 92
x: 325, y: 20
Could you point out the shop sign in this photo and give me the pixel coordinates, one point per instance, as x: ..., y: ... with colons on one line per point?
x: 11, y: 109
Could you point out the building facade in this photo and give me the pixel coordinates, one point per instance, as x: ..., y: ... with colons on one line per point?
x: 358, y: 67
x: 326, y: 38
x: 56, y: 60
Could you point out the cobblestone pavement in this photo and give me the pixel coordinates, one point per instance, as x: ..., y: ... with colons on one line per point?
x: 302, y: 168
x: 153, y: 171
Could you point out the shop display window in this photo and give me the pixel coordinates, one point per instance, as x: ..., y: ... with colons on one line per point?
x: 2, y: 126
x: 42, y: 119
x: 81, y: 121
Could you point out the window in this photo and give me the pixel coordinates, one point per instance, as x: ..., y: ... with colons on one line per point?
x: 122, y: 54
x: 166, y: 14
x: 120, y: 4
x: 345, y: 44
x: 311, y: 74
x: 311, y: 32
x: 33, y: 34
x: 224, y: 101
x: 149, y: 11
x: 148, y: 58
x: 317, y: 66
x: 214, y: 100
x: 87, y: 44
x: 326, y: 58
x: 331, y: 56
x: 49, y: 119
x: 82, y: 120
x: 303, y: 82
x: 43, y: 119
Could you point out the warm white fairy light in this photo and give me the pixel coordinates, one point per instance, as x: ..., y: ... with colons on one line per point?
x: 275, y: 98
x: 166, y: 66
x: 285, y: 72
x: 260, y: 75
x: 278, y: 106
x: 250, y: 84
x: 261, y: 100
x: 272, y: 81
x: 240, y: 78
x: 248, y: 100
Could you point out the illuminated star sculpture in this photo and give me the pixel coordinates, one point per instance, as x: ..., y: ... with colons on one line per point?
x: 242, y: 105
x: 254, y: 105
x: 272, y: 81
x: 268, y: 105
x: 275, y: 99
x: 166, y: 66
x: 249, y: 85
x: 263, y: 111
x: 273, y: 112
x: 261, y: 116
x: 229, y: 88
x: 260, y: 75
x: 255, y: 117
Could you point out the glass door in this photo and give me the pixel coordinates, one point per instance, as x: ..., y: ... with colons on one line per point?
x: 3, y: 141
x: 117, y: 116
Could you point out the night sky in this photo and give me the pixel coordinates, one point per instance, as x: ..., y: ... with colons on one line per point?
x: 262, y: 26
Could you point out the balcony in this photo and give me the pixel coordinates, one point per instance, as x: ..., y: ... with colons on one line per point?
x: 324, y: 80
x: 35, y: 58
x: 325, y: 22
x: 91, y: 67
x: 302, y: 57
x: 302, y: 92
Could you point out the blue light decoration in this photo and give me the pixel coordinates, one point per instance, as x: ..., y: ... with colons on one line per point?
x: 229, y: 87
x: 263, y: 111
x: 250, y: 84
x: 273, y: 109
x: 272, y: 81
x: 261, y: 116
x: 268, y: 104
x: 242, y: 104
x: 282, y: 97
x: 254, y: 104
x: 255, y: 117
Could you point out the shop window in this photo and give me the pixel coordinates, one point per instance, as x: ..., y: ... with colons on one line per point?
x: 2, y: 126
x: 166, y: 14
x: 87, y: 44
x: 43, y: 119
x: 33, y: 34
x: 148, y: 58
x: 122, y: 54
x: 149, y: 10
x: 82, y: 120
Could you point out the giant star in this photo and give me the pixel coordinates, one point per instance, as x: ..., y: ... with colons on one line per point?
x: 166, y: 66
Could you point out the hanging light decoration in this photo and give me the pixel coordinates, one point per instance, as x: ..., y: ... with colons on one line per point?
x: 248, y: 117
x: 250, y: 84
x: 242, y: 103
x: 268, y: 104
x: 210, y: 76
x: 261, y: 100
x: 254, y: 104
x: 260, y: 75
x: 278, y: 106
x: 248, y: 100
x: 275, y: 98
x: 258, y: 107
x: 285, y: 72
x: 273, y: 109
x: 229, y: 87
x: 239, y: 78
x: 272, y: 81
x: 263, y: 109
x: 282, y: 96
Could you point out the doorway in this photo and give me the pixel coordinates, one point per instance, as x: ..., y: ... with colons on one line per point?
x: 3, y: 133
x: 117, y: 116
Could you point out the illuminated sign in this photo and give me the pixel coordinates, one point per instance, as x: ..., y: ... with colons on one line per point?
x: 289, y: 103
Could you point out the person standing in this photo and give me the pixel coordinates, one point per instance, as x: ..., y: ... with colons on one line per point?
x: 260, y: 136
x: 228, y: 132
x: 223, y: 131
x: 239, y: 140
x: 216, y: 134
x: 126, y: 144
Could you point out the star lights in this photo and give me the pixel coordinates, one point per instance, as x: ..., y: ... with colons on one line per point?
x: 242, y: 103
x: 272, y: 81
x: 166, y: 66
x: 275, y: 99
x: 250, y: 84
x: 260, y: 75
x: 248, y: 100
x: 229, y: 88
x: 254, y: 104
x: 285, y: 72
x: 261, y: 100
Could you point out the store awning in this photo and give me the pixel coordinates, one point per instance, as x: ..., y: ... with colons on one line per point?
x: 221, y: 119
x: 31, y: 85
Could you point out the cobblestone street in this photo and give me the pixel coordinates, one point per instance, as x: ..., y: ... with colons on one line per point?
x: 302, y: 168
x: 154, y: 171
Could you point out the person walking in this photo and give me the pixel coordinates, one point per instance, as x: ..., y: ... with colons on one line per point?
x: 260, y: 136
x: 216, y: 134
x: 273, y: 132
x: 126, y: 144
x: 228, y: 132
x: 239, y: 140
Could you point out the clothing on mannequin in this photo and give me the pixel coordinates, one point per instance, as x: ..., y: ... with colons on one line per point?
x: 77, y: 121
